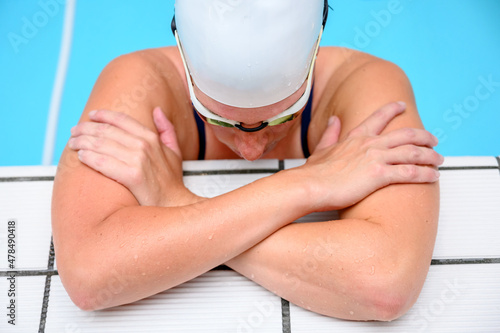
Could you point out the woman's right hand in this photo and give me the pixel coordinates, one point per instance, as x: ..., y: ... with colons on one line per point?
x: 342, y: 173
x: 148, y: 163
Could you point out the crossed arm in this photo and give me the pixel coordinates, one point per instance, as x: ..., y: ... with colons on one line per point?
x: 135, y: 219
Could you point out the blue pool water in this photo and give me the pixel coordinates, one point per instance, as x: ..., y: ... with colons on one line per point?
x: 449, y: 49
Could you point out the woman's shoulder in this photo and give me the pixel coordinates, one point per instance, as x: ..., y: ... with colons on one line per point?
x: 347, y: 80
x: 148, y: 77
x: 160, y: 62
x: 338, y: 67
x: 340, y: 63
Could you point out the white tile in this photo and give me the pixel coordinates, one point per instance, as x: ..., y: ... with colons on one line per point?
x: 293, y: 163
x: 218, y: 301
x: 29, y: 204
x: 229, y: 165
x: 469, y: 222
x: 28, y: 303
x: 469, y: 161
x: 213, y: 185
x: 28, y: 171
x: 223, y: 301
x: 449, y: 161
x: 455, y: 298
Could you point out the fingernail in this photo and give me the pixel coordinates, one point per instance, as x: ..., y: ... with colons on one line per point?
x: 435, y: 141
x: 92, y: 113
x: 331, y: 120
x: 73, y: 130
x: 438, y: 174
x: 71, y: 143
x: 403, y: 104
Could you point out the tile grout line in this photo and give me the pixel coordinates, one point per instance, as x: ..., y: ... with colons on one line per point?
x: 460, y: 168
x: 185, y: 173
x: 237, y: 172
x: 228, y: 172
x: 466, y: 261
x: 443, y: 261
x: 285, y: 316
x: 40, y: 272
x: 26, y: 179
x: 46, y: 292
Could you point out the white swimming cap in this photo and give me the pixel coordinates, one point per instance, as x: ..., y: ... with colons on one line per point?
x: 248, y: 53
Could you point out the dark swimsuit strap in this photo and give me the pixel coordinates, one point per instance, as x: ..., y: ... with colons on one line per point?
x: 304, y: 125
x: 201, y: 135
x: 304, y: 128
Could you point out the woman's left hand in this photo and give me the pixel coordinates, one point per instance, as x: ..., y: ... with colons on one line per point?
x: 149, y: 164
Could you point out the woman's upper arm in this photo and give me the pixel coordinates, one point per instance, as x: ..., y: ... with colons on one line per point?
x: 409, y: 212
x: 82, y: 197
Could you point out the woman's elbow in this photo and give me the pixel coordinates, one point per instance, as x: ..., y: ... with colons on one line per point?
x: 391, y: 297
x: 92, y: 290
x: 390, y: 306
x: 79, y: 287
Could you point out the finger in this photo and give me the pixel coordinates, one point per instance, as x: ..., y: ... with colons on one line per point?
x: 410, y: 154
x: 166, y: 130
x: 405, y: 136
x: 107, y: 165
x: 103, y: 130
x: 122, y: 121
x: 411, y: 174
x: 102, y: 146
x: 378, y: 121
x: 331, y: 134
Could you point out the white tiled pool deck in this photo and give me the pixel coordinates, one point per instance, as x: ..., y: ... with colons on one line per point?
x: 461, y: 294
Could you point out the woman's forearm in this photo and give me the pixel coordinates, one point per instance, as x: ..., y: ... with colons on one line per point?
x: 351, y: 269
x: 156, y: 248
x: 368, y: 265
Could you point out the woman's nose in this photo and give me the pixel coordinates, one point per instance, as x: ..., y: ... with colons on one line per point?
x: 251, y: 146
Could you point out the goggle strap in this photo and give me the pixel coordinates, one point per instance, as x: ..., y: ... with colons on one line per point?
x: 196, y: 103
x: 301, y: 102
